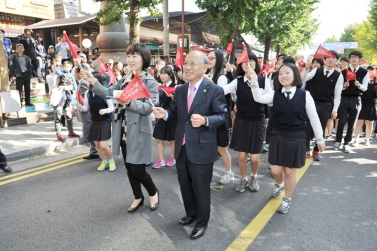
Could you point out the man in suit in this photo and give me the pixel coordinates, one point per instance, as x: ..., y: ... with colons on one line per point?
x: 29, y: 44
x: 84, y: 117
x: 199, y: 107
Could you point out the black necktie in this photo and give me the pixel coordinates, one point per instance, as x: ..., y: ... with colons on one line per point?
x: 327, y: 73
x: 288, y: 93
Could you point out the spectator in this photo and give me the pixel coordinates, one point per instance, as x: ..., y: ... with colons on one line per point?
x: 63, y: 48
x: 7, y: 44
x: 29, y: 49
x: 41, y: 54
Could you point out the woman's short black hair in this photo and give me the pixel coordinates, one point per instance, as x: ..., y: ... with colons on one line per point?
x: 319, y: 61
x: 143, y: 51
x: 370, y: 68
x: 356, y: 53
x: 252, y: 56
x: 167, y: 70
x: 296, y: 77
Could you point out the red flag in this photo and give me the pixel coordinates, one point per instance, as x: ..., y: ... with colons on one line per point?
x: 179, y: 57
x: 151, y: 70
x: 244, y: 57
x: 72, y: 47
x: 260, y: 62
x: 102, y: 67
x: 362, y: 62
x: 79, y: 98
x: 374, y: 74
x: 323, y: 53
x: 274, y: 61
x: 301, y: 63
x: 134, y: 90
x: 229, y: 47
x: 168, y: 90
x: 350, y: 75
x: 112, y: 76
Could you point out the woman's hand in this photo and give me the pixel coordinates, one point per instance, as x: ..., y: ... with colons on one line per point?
x: 88, y: 76
x: 102, y: 111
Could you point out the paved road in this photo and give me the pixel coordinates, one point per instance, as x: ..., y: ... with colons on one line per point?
x: 68, y: 206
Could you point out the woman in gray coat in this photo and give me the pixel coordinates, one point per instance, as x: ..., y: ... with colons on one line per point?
x: 136, y: 114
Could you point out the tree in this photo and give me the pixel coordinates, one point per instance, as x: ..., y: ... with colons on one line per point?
x: 331, y: 39
x: 366, y: 37
x: 131, y: 8
x: 348, y: 36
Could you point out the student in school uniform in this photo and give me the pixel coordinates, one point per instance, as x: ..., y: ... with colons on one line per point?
x: 288, y: 136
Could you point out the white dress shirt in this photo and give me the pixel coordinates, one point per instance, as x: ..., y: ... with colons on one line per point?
x: 309, y: 107
x: 364, y: 84
x: 232, y: 86
x: 306, y: 76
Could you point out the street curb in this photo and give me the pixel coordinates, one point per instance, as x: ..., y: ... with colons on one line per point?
x: 45, y: 149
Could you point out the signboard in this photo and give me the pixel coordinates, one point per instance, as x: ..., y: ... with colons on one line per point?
x: 14, y: 25
x: 89, y: 6
x: 32, y: 8
x: 336, y: 46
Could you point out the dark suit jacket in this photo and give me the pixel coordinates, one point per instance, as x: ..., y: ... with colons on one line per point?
x: 201, y: 143
x: 29, y: 49
x: 15, y: 69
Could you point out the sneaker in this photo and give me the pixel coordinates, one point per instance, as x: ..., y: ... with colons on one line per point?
x: 336, y: 146
x: 316, y: 156
x: 285, y: 204
x: 329, y: 136
x: 346, y: 149
x: 159, y: 163
x: 277, y: 191
x: 254, y: 186
x: 60, y: 139
x: 308, y: 154
x: 112, y: 166
x: 355, y: 143
x: 103, y: 166
x: 248, y: 160
x: 362, y: 135
x: 242, y: 186
x: 266, y: 148
x: 366, y: 142
x: 171, y: 162
x: 73, y: 135
x: 228, y: 177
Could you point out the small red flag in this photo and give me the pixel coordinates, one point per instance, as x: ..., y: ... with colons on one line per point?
x: 229, y: 47
x: 301, y: 63
x: 168, y: 90
x: 179, y: 57
x: 112, y: 76
x: 134, y: 90
x: 274, y: 61
x: 79, y: 98
x: 72, y: 47
x: 260, y: 62
x: 374, y: 74
x: 362, y: 62
x: 102, y: 67
x: 350, y: 75
x: 322, y: 52
x: 244, y: 56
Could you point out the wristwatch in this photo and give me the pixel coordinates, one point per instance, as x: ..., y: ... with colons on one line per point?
x: 206, y: 121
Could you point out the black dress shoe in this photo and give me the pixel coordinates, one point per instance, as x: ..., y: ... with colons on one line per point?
x: 187, y: 220
x: 197, y: 232
x: 7, y: 169
x: 30, y: 104
x: 91, y: 156
x: 134, y: 209
x: 154, y: 206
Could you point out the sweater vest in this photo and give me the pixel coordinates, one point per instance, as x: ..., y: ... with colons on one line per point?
x: 247, y: 108
x: 289, y: 114
x: 370, y: 95
x: 97, y: 103
x: 322, y: 88
x: 353, y: 90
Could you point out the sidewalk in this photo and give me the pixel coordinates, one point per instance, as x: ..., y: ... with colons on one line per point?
x: 18, y: 142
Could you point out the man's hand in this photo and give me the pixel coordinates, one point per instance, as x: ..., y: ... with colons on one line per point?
x: 13, y: 79
x: 207, y: 77
x: 102, y: 111
x: 197, y: 120
x: 357, y: 83
x: 79, y: 106
x: 346, y: 84
x: 321, y: 147
x: 334, y: 115
x: 159, y: 112
x: 88, y: 76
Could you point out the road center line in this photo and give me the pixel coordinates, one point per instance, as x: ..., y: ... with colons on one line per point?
x: 248, y: 235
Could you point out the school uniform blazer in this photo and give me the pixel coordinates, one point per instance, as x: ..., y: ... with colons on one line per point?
x: 139, y: 123
x: 209, y: 101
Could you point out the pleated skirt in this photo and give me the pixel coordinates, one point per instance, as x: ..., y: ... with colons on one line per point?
x: 100, y: 130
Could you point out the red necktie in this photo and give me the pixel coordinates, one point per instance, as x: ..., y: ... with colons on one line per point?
x: 189, y: 103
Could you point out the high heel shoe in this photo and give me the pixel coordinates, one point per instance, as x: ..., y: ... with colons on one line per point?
x: 154, y: 206
x: 133, y: 209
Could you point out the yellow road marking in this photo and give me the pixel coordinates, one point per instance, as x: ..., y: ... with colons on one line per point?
x: 248, y: 235
x: 69, y: 163
x: 41, y: 167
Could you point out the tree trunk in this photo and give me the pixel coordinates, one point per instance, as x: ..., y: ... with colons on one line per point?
x: 134, y: 21
x: 267, y: 45
x: 277, y: 49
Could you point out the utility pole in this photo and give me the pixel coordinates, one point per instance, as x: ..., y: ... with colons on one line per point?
x: 183, y: 25
x: 165, y: 20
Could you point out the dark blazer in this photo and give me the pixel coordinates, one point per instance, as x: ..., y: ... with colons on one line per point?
x: 14, y: 68
x: 29, y: 49
x: 209, y: 101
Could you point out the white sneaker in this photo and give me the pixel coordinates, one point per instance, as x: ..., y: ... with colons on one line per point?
x: 355, y: 143
x: 367, y: 143
x: 228, y: 177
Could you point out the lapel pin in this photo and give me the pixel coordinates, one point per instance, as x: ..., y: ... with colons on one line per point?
x: 205, y: 90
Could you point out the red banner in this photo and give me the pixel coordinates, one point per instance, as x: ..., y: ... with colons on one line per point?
x: 134, y: 90
x: 102, y: 67
x: 72, y: 47
x: 322, y: 52
x: 244, y: 56
x: 168, y: 90
x: 179, y: 57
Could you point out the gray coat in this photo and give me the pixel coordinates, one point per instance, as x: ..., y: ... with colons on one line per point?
x: 81, y: 90
x: 139, y: 124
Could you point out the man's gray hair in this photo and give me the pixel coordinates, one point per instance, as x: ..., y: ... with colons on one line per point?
x: 204, y: 58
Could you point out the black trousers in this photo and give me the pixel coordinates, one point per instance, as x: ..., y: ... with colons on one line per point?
x: 194, y: 181
x: 23, y: 82
x: 37, y: 70
x: 138, y: 176
x: 324, y: 111
x: 3, y: 159
x: 348, y: 112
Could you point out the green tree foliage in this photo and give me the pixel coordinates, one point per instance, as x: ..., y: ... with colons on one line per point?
x: 131, y: 8
x: 348, y: 36
x: 332, y: 39
x: 366, y: 37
